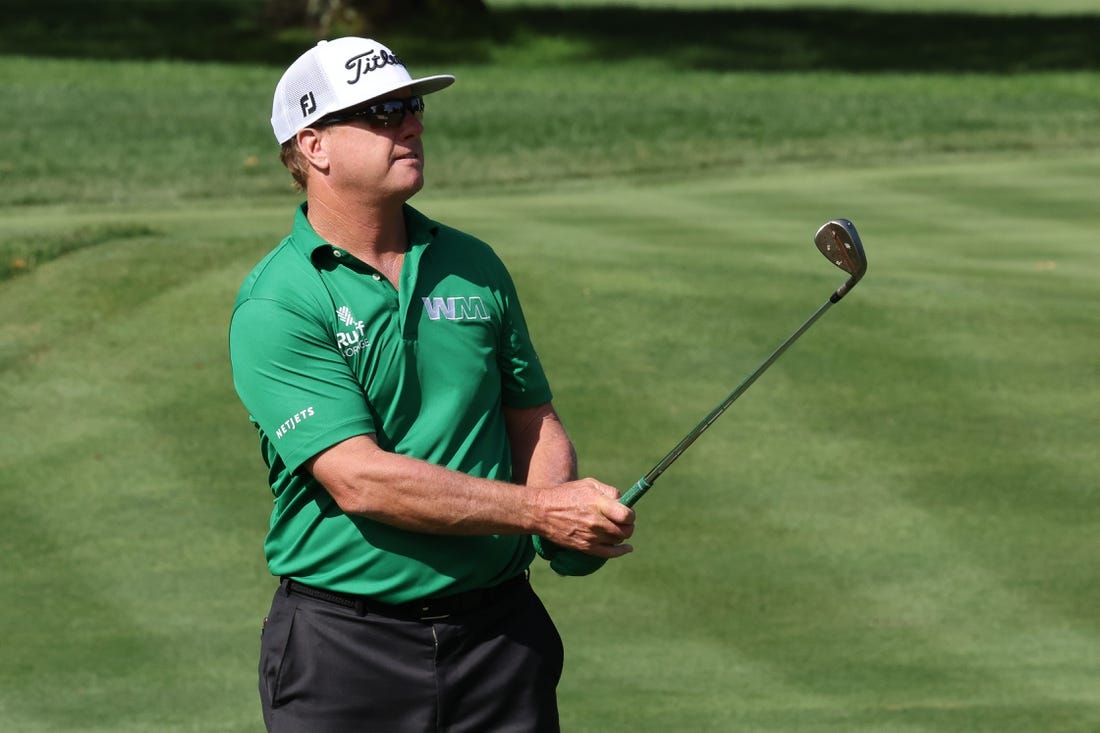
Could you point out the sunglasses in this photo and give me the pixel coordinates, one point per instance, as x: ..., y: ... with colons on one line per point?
x: 382, y: 115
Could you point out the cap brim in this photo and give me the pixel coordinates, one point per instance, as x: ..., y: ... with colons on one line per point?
x: 425, y: 85
x: 430, y: 84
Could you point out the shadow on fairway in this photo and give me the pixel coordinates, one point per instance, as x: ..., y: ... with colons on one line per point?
x: 848, y: 40
x: 724, y: 40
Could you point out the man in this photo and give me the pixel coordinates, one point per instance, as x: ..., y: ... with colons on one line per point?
x: 412, y: 446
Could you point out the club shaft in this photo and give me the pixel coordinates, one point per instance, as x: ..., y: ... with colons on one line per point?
x: 646, y: 482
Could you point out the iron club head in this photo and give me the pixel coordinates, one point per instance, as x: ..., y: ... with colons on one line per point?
x: 839, y: 241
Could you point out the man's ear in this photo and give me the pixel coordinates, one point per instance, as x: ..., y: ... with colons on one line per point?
x: 311, y: 143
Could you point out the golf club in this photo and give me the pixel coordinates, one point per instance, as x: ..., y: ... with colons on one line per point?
x: 839, y: 242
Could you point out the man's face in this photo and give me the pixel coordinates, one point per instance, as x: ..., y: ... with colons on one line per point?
x: 374, y: 161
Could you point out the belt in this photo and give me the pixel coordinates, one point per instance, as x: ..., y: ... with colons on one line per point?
x: 427, y: 609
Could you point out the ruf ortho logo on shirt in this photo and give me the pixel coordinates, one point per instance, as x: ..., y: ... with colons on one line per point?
x: 350, y: 342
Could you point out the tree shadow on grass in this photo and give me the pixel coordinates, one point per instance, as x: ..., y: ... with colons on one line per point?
x: 845, y: 40
x: 721, y: 40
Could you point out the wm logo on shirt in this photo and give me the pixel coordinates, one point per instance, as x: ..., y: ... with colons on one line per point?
x: 456, y: 309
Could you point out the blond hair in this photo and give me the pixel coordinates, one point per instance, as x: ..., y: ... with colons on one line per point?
x: 295, y: 162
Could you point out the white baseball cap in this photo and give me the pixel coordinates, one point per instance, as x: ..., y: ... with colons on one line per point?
x: 337, y: 74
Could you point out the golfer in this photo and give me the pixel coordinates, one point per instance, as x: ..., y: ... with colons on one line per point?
x: 407, y: 426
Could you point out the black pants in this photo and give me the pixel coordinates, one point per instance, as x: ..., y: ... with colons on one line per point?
x: 326, y: 668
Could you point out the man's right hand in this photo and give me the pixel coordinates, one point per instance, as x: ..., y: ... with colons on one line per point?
x: 585, y: 516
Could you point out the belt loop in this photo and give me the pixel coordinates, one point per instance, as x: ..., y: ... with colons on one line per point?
x: 361, y: 606
x: 285, y: 583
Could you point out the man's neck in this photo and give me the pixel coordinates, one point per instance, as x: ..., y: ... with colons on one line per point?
x: 374, y: 234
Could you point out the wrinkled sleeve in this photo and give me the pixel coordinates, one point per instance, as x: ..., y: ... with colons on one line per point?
x: 293, y: 381
x: 524, y: 381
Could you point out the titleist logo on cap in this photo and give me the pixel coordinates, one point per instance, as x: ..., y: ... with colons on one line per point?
x: 367, y: 62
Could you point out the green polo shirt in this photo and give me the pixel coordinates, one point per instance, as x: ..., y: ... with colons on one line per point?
x: 323, y: 348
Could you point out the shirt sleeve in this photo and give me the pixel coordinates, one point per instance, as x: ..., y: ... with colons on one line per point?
x: 524, y: 383
x: 293, y: 381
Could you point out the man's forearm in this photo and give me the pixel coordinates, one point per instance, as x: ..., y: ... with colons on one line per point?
x: 542, y: 453
x: 419, y: 496
x: 416, y: 495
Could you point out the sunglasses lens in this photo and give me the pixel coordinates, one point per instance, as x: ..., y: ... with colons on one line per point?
x: 387, y: 114
x: 391, y: 113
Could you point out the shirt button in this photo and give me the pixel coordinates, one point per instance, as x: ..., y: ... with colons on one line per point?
x: 376, y: 276
x: 337, y: 253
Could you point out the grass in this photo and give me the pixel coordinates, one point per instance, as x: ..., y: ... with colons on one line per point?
x: 201, y: 132
x: 1029, y: 7
x: 892, y: 531
x: 995, y: 36
x: 883, y: 534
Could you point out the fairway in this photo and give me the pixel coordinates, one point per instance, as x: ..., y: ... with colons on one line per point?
x: 893, y: 530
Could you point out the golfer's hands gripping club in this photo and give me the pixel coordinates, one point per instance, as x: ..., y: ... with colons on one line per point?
x: 584, y: 525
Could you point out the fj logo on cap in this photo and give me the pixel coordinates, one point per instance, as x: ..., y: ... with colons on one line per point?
x: 370, y: 61
x: 309, y: 104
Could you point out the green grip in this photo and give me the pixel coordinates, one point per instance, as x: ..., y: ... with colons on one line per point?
x: 568, y: 562
x: 572, y: 562
x: 637, y: 491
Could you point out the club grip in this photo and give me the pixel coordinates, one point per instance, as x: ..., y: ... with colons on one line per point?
x: 572, y: 562
x: 637, y: 491
x: 567, y: 562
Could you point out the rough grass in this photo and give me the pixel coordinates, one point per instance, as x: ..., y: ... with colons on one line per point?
x: 176, y: 133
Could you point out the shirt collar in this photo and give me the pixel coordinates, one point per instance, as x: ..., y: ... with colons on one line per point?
x: 421, y: 231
